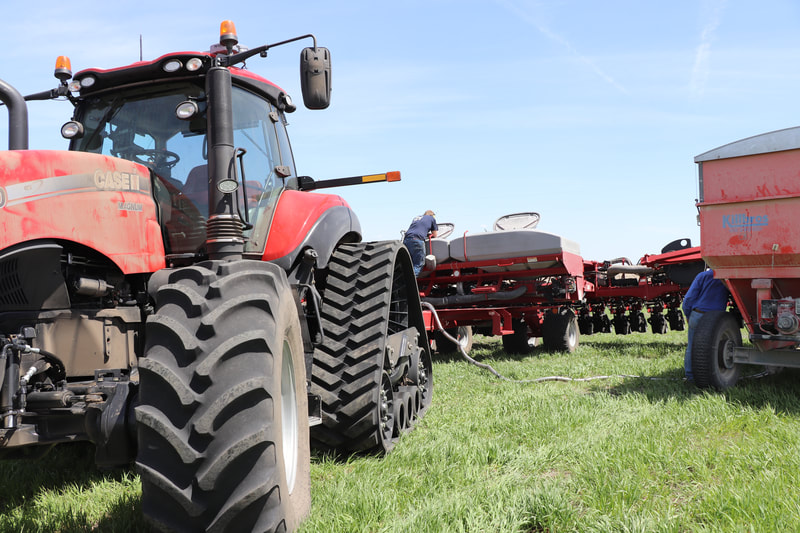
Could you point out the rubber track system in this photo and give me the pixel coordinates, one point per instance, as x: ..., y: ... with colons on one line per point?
x: 211, y: 421
x: 370, y: 293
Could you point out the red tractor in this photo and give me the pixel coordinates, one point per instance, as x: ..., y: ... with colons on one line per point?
x: 171, y: 292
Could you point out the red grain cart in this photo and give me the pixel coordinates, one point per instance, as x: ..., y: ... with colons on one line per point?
x: 749, y: 202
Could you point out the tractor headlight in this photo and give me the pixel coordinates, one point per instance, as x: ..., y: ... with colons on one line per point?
x: 173, y: 65
x: 186, y: 110
x: 72, y: 130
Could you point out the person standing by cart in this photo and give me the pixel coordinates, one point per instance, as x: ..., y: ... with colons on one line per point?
x: 706, y: 293
x: 416, y: 234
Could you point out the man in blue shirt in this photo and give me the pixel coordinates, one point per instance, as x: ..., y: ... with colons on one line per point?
x: 415, y: 237
x: 705, y: 294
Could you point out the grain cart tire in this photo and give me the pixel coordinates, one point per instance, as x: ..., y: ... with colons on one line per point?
x: 223, y: 414
x: 713, y: 343
x: 560, y: 331
x: 517, y: 342
x: 462, y: 333
x: 369, y: 293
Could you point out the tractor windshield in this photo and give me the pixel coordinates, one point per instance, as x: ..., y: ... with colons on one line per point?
x: 140, y: 125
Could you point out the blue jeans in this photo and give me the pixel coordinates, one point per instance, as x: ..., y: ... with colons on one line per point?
x: 694, y: 318
x: 416, y: 248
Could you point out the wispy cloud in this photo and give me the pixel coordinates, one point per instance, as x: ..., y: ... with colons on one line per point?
x: 702, y: 57
x: 560, y: 40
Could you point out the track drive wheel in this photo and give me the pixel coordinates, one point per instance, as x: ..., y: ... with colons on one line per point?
x: 462, y: 333
x: 560, y: 331
x: 223, y: 415
x: 713, y: 342
x: 519, y: 341
x: 369, y: 294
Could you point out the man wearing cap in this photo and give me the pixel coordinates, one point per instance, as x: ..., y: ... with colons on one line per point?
x: 415, y: 237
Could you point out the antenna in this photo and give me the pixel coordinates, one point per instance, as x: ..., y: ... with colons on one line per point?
x: 140, y: 48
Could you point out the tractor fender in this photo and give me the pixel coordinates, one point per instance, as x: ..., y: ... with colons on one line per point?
x: 304, y: 220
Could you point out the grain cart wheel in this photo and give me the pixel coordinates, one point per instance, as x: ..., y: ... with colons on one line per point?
x: 517, y: 342
x: 713, y: 343
x: 223, y: 413
x: 370, y: 293
x: 462, y: 333
x: 560, y: 331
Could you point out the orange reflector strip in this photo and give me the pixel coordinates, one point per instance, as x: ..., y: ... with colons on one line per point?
x: 373, y: 177
x: 393, y: 176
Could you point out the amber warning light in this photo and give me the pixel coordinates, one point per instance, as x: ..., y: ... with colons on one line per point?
x: 227, y: 34
x: 63, y: 68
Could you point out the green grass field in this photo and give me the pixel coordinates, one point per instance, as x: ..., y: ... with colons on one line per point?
x: 620, y: 454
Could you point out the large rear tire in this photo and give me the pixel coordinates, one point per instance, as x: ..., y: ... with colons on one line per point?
x: 369, y: 293
x: 223, y: 414
x: 713, y: 342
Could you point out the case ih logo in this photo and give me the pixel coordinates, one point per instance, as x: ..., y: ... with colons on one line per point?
x: 742, y: 223
x: 116, y: 181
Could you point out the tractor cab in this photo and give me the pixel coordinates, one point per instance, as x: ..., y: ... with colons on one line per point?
x: 145, y: 124
x: 212, y: 135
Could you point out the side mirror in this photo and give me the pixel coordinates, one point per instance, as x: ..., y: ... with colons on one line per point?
x: 315, y: 77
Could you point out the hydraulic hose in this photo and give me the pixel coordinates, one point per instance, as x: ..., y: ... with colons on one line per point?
x: 463, y: 299
x: 3, y: 363
x: 56, y: 363
x: 9, y: 387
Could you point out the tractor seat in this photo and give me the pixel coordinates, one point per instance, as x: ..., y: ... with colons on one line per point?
x: 196, y: 187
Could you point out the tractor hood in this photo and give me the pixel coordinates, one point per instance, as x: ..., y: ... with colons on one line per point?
x: 98, y: 201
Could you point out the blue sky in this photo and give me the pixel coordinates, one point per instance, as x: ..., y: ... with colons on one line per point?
x: 589, y: 113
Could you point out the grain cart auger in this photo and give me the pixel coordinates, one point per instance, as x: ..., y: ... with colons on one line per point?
x: 171, y: 292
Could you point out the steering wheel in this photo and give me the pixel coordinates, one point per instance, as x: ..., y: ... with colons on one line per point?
x: 158, y: 158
